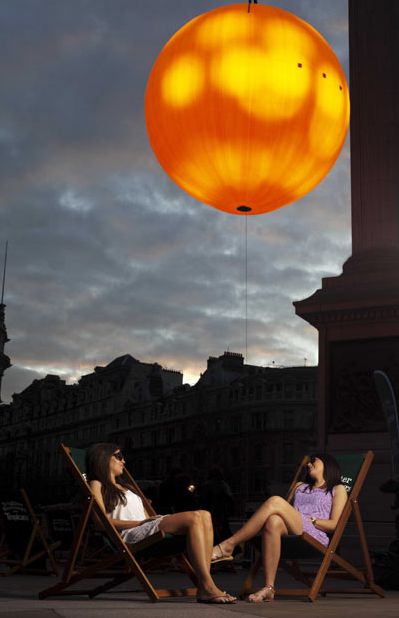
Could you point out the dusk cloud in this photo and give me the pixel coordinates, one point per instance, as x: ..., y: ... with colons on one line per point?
x: 106, y: 255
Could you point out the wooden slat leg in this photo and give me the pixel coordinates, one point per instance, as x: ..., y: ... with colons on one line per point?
x: 248, y: 584
x: 73, y: 554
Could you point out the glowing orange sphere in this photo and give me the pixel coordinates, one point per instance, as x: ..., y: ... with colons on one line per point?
x: 247, y: 109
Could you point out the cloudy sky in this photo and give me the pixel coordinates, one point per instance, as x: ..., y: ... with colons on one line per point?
x: 106, y: 255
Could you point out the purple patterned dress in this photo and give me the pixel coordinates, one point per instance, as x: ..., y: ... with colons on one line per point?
x: 313, y: 502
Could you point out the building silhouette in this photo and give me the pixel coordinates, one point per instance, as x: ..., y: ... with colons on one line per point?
x: 4, y: 359
x: 255, y: 422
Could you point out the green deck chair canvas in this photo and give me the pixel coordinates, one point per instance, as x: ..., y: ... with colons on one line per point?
x: 297, y: 548
x: 123, y: 561
x: 26, y: 548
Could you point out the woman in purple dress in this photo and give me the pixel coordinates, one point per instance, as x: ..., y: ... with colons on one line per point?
x: 316, y: 506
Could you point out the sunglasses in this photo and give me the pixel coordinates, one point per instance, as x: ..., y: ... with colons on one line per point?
x: 118, y: 455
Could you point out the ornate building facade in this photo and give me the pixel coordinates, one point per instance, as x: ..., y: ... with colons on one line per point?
x: 254, y: 422
x: 49, y: 412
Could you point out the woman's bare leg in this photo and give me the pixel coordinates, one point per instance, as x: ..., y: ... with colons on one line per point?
x: 273, y: 506
x: 272, y: 532
x: 191, y: 523
x: 208, y: 534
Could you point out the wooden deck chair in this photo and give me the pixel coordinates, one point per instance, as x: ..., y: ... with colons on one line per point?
x: 123, y: 558
x: 26, y: 548
x: 296, y: 548
x: 60, y: 524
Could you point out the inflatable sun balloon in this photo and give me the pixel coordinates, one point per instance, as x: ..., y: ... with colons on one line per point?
x: 247, y: 110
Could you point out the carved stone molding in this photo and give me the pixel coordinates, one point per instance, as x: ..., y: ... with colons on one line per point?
x: 364, y: 314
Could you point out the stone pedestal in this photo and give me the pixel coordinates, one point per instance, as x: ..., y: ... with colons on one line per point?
x: 357, y: 313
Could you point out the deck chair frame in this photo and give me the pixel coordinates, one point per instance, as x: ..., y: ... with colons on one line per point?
x: 31, y: 554
x: 314, y: 581
x: 124, y: 561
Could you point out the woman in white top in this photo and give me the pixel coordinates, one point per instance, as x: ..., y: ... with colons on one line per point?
x: 105, y: 464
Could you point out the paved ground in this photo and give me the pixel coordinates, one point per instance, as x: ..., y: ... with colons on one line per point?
x: 19, y: 599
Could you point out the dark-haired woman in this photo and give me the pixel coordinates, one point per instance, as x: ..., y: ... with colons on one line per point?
x: 125, y: 509
x: 316, y: 508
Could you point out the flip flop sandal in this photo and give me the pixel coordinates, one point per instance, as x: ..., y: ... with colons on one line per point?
x: 214, y: 600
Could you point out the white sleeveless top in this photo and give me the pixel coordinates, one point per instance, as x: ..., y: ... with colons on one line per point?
x: 133, y: 510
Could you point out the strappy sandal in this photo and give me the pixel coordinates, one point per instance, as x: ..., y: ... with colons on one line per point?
x: 264, y: 595
x: 221, y: 557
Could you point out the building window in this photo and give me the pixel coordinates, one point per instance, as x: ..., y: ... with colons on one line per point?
x: 154, y: 466
x: 257, y: 482
x: 236, y: 424
x: 288, y: 419
x: 138, y: 468
x: 288, y: 453
x: 236, y: 483
x: 287, y: 474
x: 217, y: 425
x: 258, y: 454
x: 257, y: 420
x: 170, y: 435
x: 199, y: 459
x: 235, y: 456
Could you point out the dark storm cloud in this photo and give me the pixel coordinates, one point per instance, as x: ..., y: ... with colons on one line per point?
x: 107, y: 256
